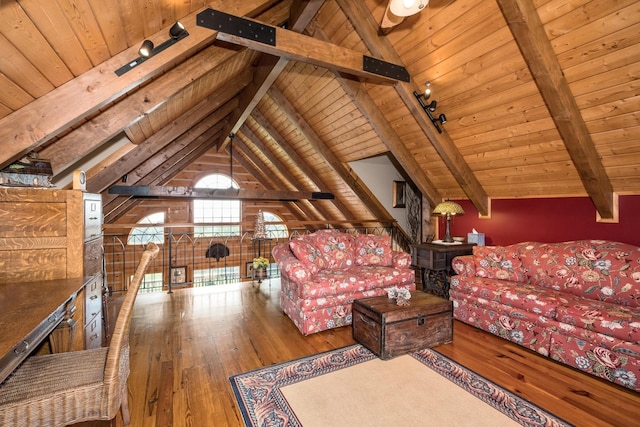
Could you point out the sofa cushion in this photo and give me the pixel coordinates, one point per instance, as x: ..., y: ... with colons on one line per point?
x: 604, y: 318
x: 499, y: 262
x: 336, y: 248
x: 592, y: 269
x: 308, y: 254
x: 523, y: 296
x: 346, y: 281
x: 373, y: 250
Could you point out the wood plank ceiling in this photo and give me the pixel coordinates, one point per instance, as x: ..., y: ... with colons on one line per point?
x: 541, y: 97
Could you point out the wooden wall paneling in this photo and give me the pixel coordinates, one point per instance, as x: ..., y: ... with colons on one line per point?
x: 109, y: 21
x: 22, y: 33
x: 283, y: 173
x: 22, y: 72
x: 296, y: 209
x: 50, y: 21
x: 84, y: 25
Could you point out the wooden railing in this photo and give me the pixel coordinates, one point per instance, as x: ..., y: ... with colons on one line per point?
x: 190, y: 260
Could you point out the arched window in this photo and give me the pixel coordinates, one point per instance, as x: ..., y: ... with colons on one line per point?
x: 144, y: 235
x: 274, y: 231
x: 219, y: 211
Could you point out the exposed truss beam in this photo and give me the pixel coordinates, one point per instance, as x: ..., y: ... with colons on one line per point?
x: 161, y: 139
x: 385, y: 131
x: 268, y: 69
x: 368, y: 199
x: 299, y: 161
x: 33, y: 125
x: 367, y: 28
x: 168, y: 192
x: 280, y: 42
x: 528, y: 31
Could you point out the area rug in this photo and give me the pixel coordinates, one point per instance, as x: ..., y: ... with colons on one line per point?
x: 351, y: 386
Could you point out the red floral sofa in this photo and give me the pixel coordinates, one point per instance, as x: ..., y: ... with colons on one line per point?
x: 577, y: 302
x: 323, y: 272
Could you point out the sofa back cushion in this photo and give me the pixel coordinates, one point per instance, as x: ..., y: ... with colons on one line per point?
x: 594, y: 269
x: 373, y: 250
x: 337, y: 248
x: 499, y: 262
x: 307, y: 254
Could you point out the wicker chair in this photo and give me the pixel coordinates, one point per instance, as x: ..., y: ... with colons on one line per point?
x: 66, y: 388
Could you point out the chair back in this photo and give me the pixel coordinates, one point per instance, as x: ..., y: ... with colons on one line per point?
x: 116, y: 370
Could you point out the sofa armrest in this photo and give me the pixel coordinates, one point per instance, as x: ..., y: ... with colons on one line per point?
x: 401, y: 259
x: 464, y: 265
x: 297, y: 271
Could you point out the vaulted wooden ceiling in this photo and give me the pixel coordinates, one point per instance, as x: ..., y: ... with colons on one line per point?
x: 541, y: 97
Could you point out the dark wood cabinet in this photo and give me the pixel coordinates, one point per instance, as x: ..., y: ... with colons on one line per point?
x: 434, y: 261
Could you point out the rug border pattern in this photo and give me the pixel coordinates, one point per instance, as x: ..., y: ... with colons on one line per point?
x: 261, y: 402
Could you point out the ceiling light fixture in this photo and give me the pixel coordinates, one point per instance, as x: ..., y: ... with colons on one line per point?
x: 431, y: 108
x: 177, y: 32
x: 407, y: 7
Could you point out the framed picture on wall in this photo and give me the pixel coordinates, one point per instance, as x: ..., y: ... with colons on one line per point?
x: 179, y: 274
x: 399, y: 194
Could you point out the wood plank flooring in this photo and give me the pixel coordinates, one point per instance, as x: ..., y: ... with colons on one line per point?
x: 185, y: 345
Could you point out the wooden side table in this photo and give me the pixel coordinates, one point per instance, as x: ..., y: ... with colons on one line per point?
x: 434, y: 261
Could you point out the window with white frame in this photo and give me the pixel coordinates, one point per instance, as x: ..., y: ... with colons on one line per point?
x: 274, y: 231
x: 216, y: 211
x: 152, y: 233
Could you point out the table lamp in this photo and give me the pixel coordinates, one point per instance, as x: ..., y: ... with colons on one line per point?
x: 447, y: 209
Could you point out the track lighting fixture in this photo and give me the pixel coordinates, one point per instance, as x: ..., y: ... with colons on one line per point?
x: 431, y: 108
x: 177, y: 32
x: 146, y: 49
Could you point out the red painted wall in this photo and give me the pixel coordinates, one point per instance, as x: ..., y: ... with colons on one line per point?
x: 547, y: 220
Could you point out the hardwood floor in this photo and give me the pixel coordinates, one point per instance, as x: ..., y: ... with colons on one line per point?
x: 185, y: 345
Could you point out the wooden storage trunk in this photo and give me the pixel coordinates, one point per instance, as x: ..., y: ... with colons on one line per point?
x: 390, y: 330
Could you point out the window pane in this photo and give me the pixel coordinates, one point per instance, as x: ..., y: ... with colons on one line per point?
x: 216, y: 210
x: 144, y: 235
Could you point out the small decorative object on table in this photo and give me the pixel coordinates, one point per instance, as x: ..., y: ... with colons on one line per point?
x: 260, y: 265
x: 258, y: 229
x: 401, y: 295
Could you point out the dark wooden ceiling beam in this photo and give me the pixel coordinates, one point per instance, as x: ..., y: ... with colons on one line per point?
x: 362, y: 192
x: 289, y: 44
x: 33, y: 125
x: 367, y: 28
x: 528, y: 31
x: 269, y: 68
x: 180, y: 192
